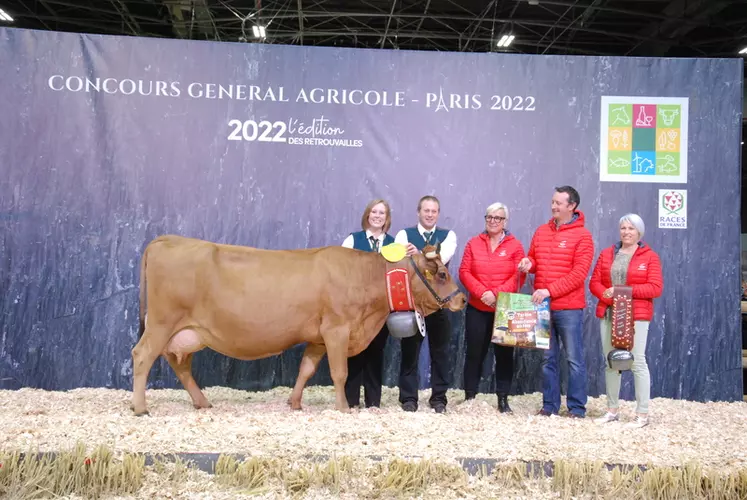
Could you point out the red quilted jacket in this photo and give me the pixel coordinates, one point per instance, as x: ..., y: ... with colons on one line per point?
x: 561, y: 259
x: 483, y: 270
x: 644, y: 275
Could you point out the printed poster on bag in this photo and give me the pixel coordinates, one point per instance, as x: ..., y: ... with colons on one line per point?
x: 519, y: 322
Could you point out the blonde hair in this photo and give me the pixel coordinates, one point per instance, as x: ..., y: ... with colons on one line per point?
x: 367, y: 212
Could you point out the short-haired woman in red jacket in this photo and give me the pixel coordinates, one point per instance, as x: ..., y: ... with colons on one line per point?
x: 630, y: 262
x: 488, y: 267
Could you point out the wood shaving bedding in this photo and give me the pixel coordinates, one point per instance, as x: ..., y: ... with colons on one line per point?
x: 260, y: 423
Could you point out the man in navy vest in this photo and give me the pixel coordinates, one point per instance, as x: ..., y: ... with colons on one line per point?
x: 366, y: 367
x: 438, y: 329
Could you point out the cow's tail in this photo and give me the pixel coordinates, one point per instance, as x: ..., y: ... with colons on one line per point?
x: 142, y: 292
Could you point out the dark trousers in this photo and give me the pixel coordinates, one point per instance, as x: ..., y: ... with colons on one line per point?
x: 365, y: 368
x: 478, y: 331
x: 438, y: 332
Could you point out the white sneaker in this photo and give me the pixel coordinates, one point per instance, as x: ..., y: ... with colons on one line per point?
x: 637, y: 423
x: 608, y: 417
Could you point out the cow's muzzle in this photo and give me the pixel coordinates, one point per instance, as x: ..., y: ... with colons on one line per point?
x: 441, y: 300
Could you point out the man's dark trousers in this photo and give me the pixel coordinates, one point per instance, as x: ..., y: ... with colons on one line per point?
x: 438, y: 332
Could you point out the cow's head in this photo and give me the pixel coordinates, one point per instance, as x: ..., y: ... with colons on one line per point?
x: 668, y: 115
x: 432, y: 286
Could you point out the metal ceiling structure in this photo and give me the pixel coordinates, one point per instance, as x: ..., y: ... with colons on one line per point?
x: 672, y: 28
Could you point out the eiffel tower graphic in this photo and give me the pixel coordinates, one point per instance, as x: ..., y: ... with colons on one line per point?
x: 441, y: 101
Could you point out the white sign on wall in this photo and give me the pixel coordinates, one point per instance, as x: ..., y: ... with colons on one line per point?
x: 673, y: 208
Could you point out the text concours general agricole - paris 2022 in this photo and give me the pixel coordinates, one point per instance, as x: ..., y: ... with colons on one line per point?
x: 308, y: 131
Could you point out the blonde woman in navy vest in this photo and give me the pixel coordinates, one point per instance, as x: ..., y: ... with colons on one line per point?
x: 366, y: 368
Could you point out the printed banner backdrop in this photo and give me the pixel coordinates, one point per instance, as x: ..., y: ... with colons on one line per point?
x: 107, y: 142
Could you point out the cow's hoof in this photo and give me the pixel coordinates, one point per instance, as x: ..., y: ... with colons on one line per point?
x: 138, y: 412
x: 205, y: 405
x: 296, y: 407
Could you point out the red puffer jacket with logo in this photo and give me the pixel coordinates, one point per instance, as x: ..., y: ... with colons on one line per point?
x: 644, y: 276
x: 482, y: 270
x: 561, y: 259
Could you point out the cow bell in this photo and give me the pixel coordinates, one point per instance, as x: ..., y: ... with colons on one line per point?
x: 620, y: 360
x: 402, y: 325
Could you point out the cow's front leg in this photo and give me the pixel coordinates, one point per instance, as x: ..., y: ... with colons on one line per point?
x: 337, y: 354
x: 311, y: 357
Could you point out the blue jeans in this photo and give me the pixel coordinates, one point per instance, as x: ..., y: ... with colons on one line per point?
x: 566, y: 327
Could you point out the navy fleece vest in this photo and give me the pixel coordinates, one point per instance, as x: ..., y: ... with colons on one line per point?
x: 414, y: 237
x: 361, y: 241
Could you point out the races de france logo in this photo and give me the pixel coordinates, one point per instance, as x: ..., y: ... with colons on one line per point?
x: 672, y: 209
x: 673, y: 201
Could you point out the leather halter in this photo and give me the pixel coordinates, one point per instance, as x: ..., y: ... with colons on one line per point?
x: 399, y: 294
x: 441, y: 301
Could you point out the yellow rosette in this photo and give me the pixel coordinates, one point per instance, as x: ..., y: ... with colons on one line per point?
x: 394, y: 252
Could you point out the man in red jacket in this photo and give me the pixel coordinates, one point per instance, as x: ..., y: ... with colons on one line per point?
x: 560, y: 257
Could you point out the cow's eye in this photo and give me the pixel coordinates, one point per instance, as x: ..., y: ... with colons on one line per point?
x: 442, y: 275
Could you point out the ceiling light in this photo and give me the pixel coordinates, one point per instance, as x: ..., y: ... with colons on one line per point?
x: 505, y: 40
x: 259, y: 31
x: 533, y: 2
x: 743, y: 51
x: 4, y: 16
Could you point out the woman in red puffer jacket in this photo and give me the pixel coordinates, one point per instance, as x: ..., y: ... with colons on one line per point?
x: 488, y: 267
x: 630, y: 262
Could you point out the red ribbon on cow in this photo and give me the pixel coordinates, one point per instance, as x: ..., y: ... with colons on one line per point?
x: 398, y: 290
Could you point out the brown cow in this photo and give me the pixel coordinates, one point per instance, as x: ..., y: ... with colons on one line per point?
x: 249, y: 303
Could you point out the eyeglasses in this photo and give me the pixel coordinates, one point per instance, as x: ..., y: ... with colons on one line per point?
x: 494, y: 218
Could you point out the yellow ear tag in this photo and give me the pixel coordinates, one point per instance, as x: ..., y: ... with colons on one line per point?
x: 394, y: 252
x: 428, y: 275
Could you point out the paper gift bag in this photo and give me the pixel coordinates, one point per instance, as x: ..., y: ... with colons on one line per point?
x: 518, y: 322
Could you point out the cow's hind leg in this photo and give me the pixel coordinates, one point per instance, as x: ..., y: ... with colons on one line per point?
x: 183, y: 369
x: 311, y: 357
x: 144, y: 354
